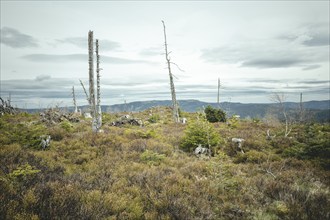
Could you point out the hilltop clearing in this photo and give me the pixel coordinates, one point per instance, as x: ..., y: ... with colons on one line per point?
x: 151, y: 171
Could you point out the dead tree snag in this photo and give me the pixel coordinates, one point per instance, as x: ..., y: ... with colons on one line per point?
x: 174, y: 102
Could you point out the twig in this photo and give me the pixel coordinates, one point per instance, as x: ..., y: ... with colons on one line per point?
x: 178, y: 67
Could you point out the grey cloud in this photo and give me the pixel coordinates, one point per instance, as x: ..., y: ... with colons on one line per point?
x: 80, y: 58
x: 311, y: 67
x: 40, y: 83
x: 42, y: 77
x: 324, y: 90
x: 139, y: 81
x: 314, y: 35
x: 54, y: 90
x: 26, y: 93
x: 286, y: 81
x: 315, y: 82
x: 196, y: 87
x: 81, y: 42
x: 15, y: 39
x: 265, y: 80
x: 261, y: 58
x: 55, y: 58
x: 272, y: 63
x: 320, y: 39
x: 287, y: 37
x: 311, y: 39
x: 289, y: 50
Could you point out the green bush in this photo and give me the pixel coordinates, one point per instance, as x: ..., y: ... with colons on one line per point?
x: 312, y: 144
x: 152, y: 158
x: 214, y: 115
x: 23, y: 171
x: 200, y: 132
x: 67, y: 126
x: 251, y: 156
x: 154, y: 118
x: 233, y: 121
x: 141, y: 133
x: 27, y: 134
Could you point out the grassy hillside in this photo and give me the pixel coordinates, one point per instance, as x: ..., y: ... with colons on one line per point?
x: 134, y: 172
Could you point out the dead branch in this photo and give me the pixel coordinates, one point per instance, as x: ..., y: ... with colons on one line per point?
x: 82, y: 84
x: 177, y: 66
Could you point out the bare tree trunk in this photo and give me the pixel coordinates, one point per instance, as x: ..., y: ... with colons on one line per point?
x: 301, y: 112
x: 74, y: 100
x: 174, y: 102
x: 91, y: 81
x: 99, y: 111
x: 218, y: 99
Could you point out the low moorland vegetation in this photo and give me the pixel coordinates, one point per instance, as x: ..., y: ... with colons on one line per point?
x: 151, y: 172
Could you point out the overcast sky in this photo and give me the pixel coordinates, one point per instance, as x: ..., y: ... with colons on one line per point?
x: 255, y: 48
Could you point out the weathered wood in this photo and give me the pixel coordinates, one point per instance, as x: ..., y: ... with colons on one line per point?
x: 98, y: 93
x: 91, y: 74
x: 199, y: 151
x: 45, y: 141
x: 239, y: 142
x: 54, y: 115
x: 218, y: 97
x: 85, y: 91
x: 126, y: 119
x: 6, y: 108
x: 74, y: 100
x: 174, y: 101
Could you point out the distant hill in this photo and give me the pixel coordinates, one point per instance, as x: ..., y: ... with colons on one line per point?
x: 320, y: 110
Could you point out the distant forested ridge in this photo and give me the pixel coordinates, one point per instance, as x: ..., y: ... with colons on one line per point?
x: 318, y: 110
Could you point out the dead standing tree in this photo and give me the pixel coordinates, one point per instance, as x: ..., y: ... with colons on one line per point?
x: 301, y: 109
x: 74, y: 100
x: 91, y: 81
x: 218, y: 98
x: 98, y: 94
x: 174, y: 102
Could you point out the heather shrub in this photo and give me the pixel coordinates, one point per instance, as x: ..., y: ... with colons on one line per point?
x: 143, y: 173
x: 251, y: 156
x: 141, y: 133
x: 27, y: 134
x: 152, y: 158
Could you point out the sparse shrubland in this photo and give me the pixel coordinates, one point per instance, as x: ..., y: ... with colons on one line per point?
x: 149, y: 172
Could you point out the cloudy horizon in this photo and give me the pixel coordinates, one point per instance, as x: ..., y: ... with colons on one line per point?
x: 255, y: 48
